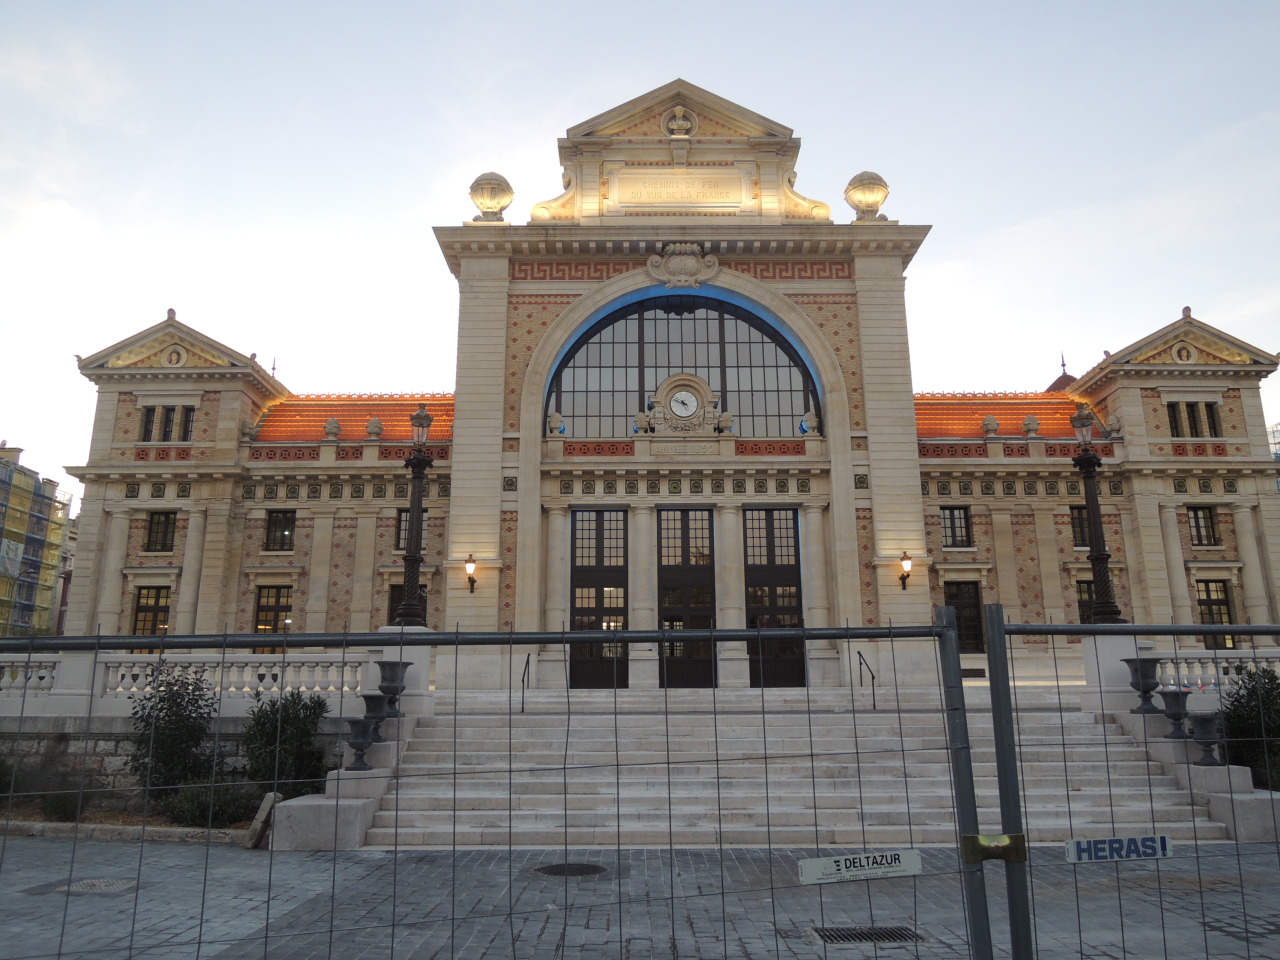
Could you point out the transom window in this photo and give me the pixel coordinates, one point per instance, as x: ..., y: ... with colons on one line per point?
x: 1080, y: 528
x: 610, y: 373
x: 161, y: 527
x: 280, y: 524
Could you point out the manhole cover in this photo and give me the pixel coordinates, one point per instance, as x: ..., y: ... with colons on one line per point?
x: 867, y: 934
x: 96, y: 886
x: 571, y: 869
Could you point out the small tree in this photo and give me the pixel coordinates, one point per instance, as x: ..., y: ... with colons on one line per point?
x: 280, y: 743
x: 171, y: 721
x: 1251, y: 725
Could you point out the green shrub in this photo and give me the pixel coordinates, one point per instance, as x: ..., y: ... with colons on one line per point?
x: 1251, y: 725
x: 170, y: 723
x: 212, y: 805
x: 63, y: 805
x: 280, y: 743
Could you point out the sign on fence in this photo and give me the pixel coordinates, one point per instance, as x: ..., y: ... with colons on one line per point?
x: 1107, y: 849
x: 866, y: 865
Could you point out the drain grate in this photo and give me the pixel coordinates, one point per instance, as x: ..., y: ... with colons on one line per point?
x: 570, y: 869
x: 96, y: 886
x: 867, y: 934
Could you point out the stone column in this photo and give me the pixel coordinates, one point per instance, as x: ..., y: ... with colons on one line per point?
x: 318, y: 574
x: 1175, y: 568
x: 642, y: 585
x: 556, y: 571
x: 113, y: 561
x: 1251, y: 577
x: 731, y: 595
x: 184, y: 620
x: 1050, y: 565
x: 817, y: 606
x: 362, y: 581
x: 1006, y: 561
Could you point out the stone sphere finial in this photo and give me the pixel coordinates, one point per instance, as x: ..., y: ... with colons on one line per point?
x: 866, y: 193
x: 491, y: 194
x: 990, y: 425
x: 332, y: 428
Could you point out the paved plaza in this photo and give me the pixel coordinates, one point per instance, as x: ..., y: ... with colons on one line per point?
x: 172, y: 900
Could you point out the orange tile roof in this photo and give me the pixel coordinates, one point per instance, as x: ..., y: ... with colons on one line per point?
x: 302, y: 417
x: 960, y: 415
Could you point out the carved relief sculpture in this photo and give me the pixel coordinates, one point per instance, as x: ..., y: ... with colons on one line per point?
x: 683, y: 265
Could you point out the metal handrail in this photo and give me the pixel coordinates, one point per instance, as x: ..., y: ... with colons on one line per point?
x: 862, y: 662
x: 524, y: 678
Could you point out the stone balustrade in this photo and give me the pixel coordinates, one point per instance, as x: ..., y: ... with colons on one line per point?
x: 1206, y: 671
x: 78, y: 683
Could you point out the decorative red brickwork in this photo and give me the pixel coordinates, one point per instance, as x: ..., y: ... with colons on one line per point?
x: 584, y: 270
x: 768, y: 448
x: 127, y: 418
x: 599, y: 448
x: 772, y: 269
x: 945, y: 450
x: 162, y: 453
x: 1017, y: 450
x: 528, y: 317
x: 866, y: 568
x: 507, y: 570
x: 435, y: 452
x: 1199, y: 449
x: 836, y: 318
x: 350, y: 453
x: 284, y: 453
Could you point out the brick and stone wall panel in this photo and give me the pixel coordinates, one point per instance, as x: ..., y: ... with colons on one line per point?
x: 835, y: 316
x: 507, y: 572
x: 528, y: 318
x: 866, y: 568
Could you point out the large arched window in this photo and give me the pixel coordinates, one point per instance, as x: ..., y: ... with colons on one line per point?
x: 608, y: 375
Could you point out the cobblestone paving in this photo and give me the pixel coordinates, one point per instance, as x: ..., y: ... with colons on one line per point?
x: 224, y: 903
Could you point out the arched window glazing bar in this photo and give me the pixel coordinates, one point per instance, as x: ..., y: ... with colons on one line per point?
x: 607, y: 377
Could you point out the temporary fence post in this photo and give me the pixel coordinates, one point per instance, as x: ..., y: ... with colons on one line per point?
x: 971, y: 876
x: 1015, y: 871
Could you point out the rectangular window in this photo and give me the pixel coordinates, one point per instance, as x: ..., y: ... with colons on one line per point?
x: 1204, y: 532
x: 1080, y: 526
x: 395, y: 594
x: 956, y: 531
x: 1214, y: 599
x: 402, y: 528
x: 161, y: 527
x: 1084, y: 600
x: 148, y: 424
x: 151, y: 613
x: 272, y: 610
x: 188, y: 424
x: 280, y: 524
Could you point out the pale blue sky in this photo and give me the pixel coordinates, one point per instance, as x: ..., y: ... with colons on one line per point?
x: 273, y: 170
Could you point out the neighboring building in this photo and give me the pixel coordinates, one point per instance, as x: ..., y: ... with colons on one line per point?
x: 33, y: 524
x: 683, y: 399
x: 1273, y: 436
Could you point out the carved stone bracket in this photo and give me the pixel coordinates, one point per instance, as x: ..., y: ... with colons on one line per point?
x: 683, y: 265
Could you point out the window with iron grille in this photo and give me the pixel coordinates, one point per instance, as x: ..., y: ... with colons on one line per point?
x: 1204, y: 530
x: 1214, y: 600
x: 956, y: 531
x: 598, y: 579
x: 151, y: 611
x: 280, y: 527
x: 608, y: 376
x: 273, y: 609
x: 402, y: 528
x: 1084, y: 600
x: 161, y: 527
x: 1079, y: 526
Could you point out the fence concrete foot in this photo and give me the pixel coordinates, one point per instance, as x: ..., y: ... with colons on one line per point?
x: 323, y: 823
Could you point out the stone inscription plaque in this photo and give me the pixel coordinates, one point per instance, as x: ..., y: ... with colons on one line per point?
x: 678, y: 188
x: 684, y: 449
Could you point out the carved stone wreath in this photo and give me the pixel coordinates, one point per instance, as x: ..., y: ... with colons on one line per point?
x: 683, y: 265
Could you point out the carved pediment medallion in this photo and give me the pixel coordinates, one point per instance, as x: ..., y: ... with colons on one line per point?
x: 683, y: 265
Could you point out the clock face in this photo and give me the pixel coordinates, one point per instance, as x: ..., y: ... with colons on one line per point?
x: 684, y: 403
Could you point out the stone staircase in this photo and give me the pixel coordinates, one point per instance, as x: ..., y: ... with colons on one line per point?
x: 819, y: 767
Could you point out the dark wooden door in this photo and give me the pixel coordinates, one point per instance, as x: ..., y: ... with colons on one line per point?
x: 966, y: 597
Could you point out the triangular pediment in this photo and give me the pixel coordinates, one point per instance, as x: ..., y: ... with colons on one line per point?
x: 649, y: 115
x: 1191, y: 342
x: 171, y: 348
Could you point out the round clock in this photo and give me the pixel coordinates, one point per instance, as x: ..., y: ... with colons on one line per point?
x: 684, y: 403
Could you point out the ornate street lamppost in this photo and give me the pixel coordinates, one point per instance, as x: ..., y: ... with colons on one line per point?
x: 410, y: 613
x: 1105, y: 609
